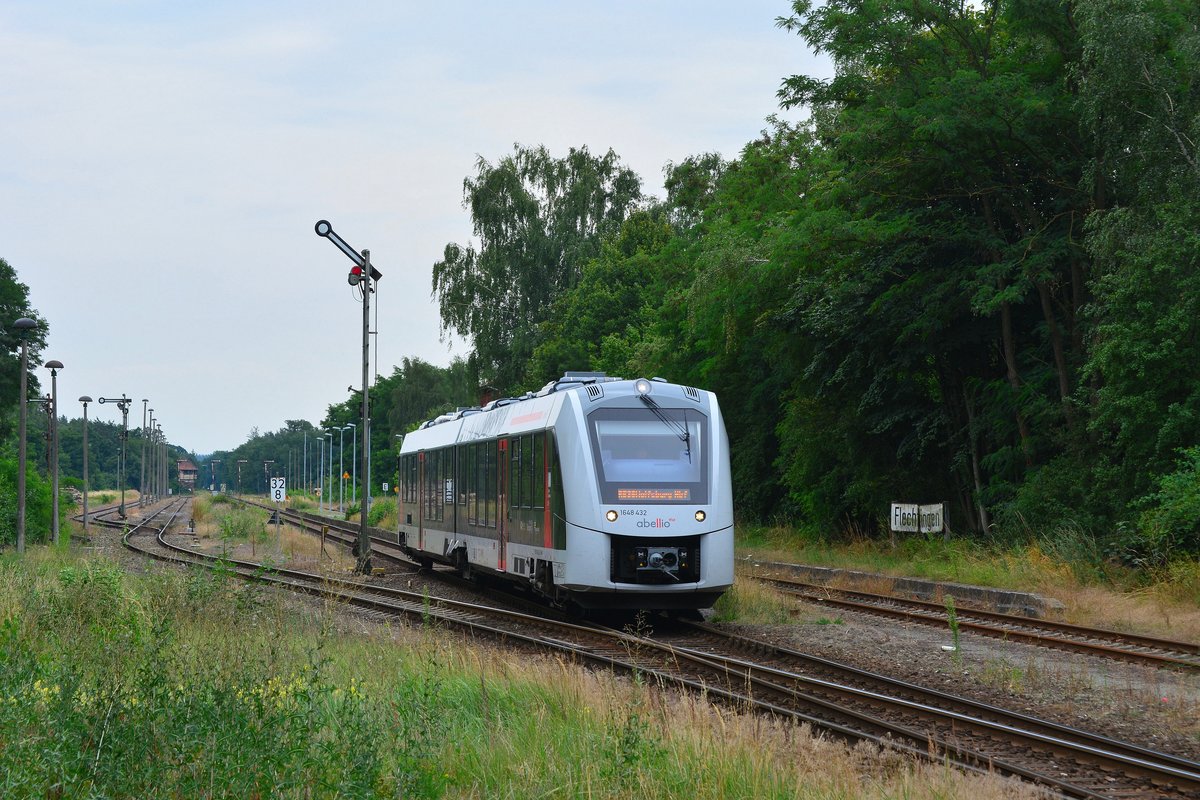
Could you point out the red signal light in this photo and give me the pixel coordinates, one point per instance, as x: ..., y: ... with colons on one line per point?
x: 355, y: 276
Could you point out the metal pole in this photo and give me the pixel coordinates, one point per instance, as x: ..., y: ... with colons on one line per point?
x: 54, y: 367
x: 320, y: 472
x: 341, y: 470
x: 152, y: 468
x: 367, y: 477
x: 124, y: 406
x: 21, y: 448
x: 353, y: 464
x: 164, y: 486
x: 329, y: 435
x: 142, y: 484
x: 364, y: 541
x: 85, y: 400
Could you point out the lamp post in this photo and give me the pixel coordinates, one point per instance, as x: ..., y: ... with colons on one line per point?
x: 320, y: 471
x: 240, y: 461
x: 164, y: 485
x: 85, y: 400
x: 329, y: 436
x: 24, y: 325
x: 212, y: 473
x: 353, y: 464
x: 142, y: 484
x: 152, y: 470
x: 123, y: 404
x: 341, y: 470
x: 54, y: 367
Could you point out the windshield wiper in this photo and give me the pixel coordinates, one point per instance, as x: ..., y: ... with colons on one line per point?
x: 678, y: 428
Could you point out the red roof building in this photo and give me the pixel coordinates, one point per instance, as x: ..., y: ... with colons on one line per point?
x: 187, y: 473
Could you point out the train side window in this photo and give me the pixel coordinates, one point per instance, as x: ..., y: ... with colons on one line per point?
x: 514, y: 469
x: 472, y: 484
x: 410, y: 478
x: 433, y: 497
x: 527, y: 495
x: 460, y: 479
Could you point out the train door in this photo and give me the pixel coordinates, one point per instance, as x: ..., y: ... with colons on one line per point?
x: 421, y: 499
x: 502, y: 522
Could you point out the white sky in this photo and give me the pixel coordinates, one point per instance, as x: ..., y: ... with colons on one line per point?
x: 162, y: 166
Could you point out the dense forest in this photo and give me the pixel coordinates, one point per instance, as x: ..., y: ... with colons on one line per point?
x: 971, y: 274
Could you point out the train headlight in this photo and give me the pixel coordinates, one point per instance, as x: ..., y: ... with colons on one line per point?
x: 701, y: 516
x: 642, y: 386
x: 610, y: 515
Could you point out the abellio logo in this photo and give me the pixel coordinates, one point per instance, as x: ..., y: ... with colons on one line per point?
x: 655, y: 523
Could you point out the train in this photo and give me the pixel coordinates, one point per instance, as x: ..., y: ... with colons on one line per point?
x: 596, y: 493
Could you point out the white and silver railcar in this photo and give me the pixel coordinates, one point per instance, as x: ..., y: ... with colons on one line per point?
x: 595, y: 491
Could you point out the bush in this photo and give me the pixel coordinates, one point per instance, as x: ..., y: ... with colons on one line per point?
x: 37, y: 504
x: 381, y: 508
x: 1169, y: 524
x: 242, y: 524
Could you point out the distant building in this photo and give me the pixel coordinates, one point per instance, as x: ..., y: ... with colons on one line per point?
x: 187, y: 474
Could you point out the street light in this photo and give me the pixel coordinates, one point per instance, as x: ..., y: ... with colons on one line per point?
x: 142, y: 486
x: 353, y: 464
x: 24, y: 325
x: 329, y: 436
x: 153, y: 466
x: 164, y: 485
x: 85, y: 400
x: 341, y: 470
x: 54, y: 366
x: 320, y: 471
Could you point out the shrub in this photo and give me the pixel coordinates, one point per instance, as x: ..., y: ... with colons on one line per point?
x: 1170, y: 521
x: 381, y: 508
x: 242, y: 524
x: 37, y: 504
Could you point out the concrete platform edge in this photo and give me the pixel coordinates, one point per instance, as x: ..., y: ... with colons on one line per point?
x: 1005, y: 601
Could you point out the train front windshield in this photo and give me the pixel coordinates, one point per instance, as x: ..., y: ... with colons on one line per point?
x: 650, y: 456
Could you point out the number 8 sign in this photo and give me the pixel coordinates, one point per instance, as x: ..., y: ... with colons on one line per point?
x: 279, y: 490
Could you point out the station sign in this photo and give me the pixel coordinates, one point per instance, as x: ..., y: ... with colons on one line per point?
x: 914, y: 518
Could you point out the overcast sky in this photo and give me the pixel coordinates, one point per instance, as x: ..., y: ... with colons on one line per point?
x: 163, y: 165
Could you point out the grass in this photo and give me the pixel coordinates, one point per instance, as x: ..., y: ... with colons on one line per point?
x: 1065, y: 566
x: 241, y: 532
x: 187, y: 684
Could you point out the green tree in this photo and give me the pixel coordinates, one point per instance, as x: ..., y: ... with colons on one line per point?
x: 14, y: 304
x: 538, y: 219
x: 1140, y: 101
x: 942, y: 281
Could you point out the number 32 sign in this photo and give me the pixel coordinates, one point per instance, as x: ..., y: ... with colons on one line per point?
x: 279, y: 490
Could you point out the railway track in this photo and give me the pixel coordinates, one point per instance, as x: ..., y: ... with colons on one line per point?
x: 748, y: 674
x: 1043, y: 633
